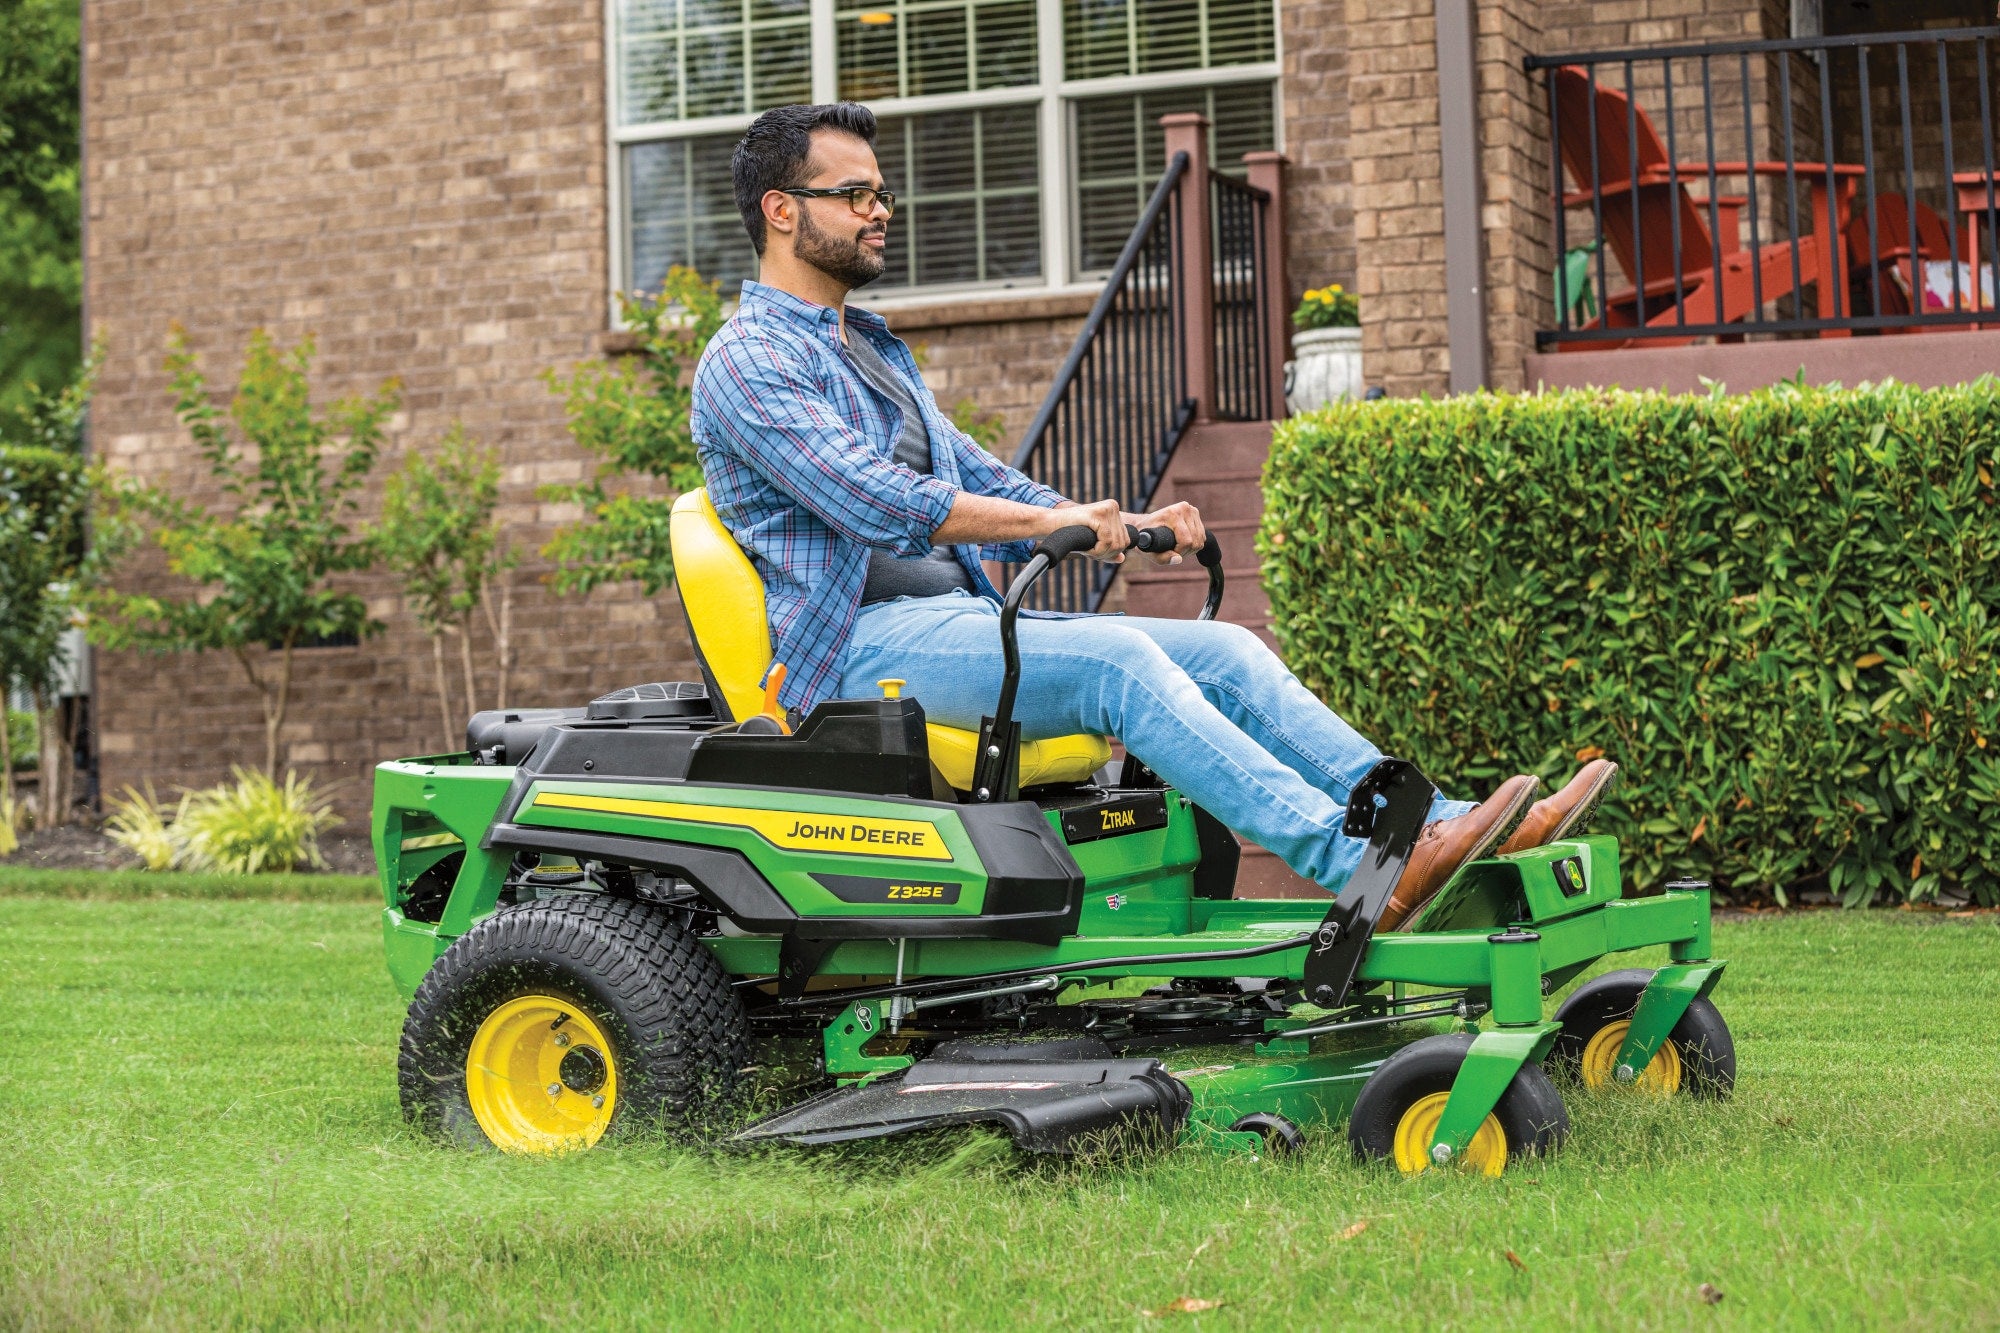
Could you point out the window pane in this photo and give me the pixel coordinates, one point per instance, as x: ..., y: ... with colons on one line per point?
x: 969, y: 207
x: 917, y: 48
x: 868, y: 56
x: 1005, y: 44
x: 683, y: 58
x: 1120, y: 153
x: 680, y: 211
x: 780, y: 66
x: 649, y: 84
x: 1103, y: 38
x: 714, y: 73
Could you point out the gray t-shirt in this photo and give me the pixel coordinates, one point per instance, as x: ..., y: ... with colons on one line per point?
x: 891, y: 575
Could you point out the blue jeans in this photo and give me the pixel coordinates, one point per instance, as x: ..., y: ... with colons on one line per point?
x: 1205, y: 704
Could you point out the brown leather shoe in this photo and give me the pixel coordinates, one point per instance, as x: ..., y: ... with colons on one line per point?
x: 1557, y: 816
x: 1449, y: 843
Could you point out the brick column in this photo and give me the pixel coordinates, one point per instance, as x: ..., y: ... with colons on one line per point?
x: 1393, y: 142
x: 1267, y: 173
x: 1187, y: 132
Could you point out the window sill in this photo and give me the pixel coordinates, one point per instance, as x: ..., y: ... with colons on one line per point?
x: 937, y: 313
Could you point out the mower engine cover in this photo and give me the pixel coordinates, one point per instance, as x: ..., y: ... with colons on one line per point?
x: 1047, y: 1105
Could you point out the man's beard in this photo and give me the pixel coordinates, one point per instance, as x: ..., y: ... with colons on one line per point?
x: 848, y: 260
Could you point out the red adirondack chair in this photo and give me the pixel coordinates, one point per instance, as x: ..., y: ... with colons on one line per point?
x: 1712, y: 279
x: 1898, y: 264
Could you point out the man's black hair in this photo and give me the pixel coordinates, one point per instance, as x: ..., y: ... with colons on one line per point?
x: 773, y: 153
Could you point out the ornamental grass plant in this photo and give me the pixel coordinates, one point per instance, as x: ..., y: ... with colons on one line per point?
x: 251, y: 825
x: 1779, y: 611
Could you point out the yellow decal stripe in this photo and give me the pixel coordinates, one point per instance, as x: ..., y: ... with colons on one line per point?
x: 793, y: 830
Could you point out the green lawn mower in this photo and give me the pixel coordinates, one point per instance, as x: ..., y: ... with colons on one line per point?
x: 629, y: 916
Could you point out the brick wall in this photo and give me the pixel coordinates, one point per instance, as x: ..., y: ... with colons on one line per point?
x: 421, y: 186
x: 1319, y: 195
x: 1394, y: 151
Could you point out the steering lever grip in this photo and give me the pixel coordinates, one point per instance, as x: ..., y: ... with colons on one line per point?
x: 1065, y: 542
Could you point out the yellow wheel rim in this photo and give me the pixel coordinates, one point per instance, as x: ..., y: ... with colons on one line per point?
x: 1486, y: 1154
x: 1661, y: 1078
x: 541, y: 1077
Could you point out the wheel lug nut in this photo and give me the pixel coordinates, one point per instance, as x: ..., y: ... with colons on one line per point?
x: 555, y: 1089
x: 1441, y: 1153
x: 597, y: 1102
x: 1625, y: 1073
x: 562, y: 1039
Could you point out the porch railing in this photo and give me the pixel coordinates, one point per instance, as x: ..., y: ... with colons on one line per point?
x: 1813, y: 187
x: 1185, y: 329
x: 1242, y: 300
x: 1120, y: 403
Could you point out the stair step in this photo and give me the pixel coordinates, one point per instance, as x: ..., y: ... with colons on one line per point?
x: 1224, y: 446
x: 1219, y: 499
x: 1243, y: 601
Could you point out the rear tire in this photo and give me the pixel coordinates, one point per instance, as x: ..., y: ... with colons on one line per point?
x: 1399, y: 1107
x: 554, y: 1025
x: 1702, y: 1058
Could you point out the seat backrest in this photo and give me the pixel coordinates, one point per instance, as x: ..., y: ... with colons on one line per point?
x: 724, y: 601
x: 1618, y: 124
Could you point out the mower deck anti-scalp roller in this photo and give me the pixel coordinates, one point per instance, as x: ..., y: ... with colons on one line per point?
x: 619, y: 918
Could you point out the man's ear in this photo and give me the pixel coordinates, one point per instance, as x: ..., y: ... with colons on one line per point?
x: 780, y: 212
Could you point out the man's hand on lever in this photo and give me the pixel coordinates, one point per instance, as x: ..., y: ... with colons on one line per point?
x: 1183, y: 520
x: 983, y: 519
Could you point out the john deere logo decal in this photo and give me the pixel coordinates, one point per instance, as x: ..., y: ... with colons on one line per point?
x: 1569, y: 876
x: 794, y: 830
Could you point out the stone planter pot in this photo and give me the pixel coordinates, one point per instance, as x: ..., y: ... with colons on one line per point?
x: 1325, y: 368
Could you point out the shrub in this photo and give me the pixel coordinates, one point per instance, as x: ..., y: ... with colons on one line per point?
x: 253, y: 825
x: 142, y: 827
x: 631, y: 414
x: 1777, y: 611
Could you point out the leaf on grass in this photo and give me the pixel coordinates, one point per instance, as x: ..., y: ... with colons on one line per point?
x: 1870, y: 660
x: 1515, y: 1260
x: 1186, y: 1305
x: 1709, y: 1295
x: 1700, y: 827
x: 1588, y: 753
x: 1351, y: 1232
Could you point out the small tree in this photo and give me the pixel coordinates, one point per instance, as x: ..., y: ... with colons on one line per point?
x: 633, y: 415
x: 45, y: 562
x: 263, y: 567
x: 439, y: 535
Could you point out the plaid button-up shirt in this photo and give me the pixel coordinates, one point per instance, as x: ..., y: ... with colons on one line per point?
x: 798, y: 450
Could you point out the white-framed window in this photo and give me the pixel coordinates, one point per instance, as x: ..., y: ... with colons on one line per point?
x: 1021, y: 136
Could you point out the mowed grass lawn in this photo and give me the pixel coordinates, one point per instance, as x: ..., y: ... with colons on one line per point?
x: 203, y: 1132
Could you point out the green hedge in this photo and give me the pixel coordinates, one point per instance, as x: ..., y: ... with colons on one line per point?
x: 1779, y: 612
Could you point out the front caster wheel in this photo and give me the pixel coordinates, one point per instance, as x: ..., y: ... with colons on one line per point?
x: 1400, y: 1106
x: 1281, y: 1137
x: 1698, y: 1056
x: 548, y: 1027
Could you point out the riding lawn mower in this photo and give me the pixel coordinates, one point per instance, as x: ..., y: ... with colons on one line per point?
x: 627, y: 916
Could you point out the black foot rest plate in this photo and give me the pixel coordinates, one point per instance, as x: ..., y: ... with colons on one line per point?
x: 1048, y: 1106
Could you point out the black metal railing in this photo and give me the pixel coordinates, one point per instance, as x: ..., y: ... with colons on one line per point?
x: 1242, y: 386
x: 1120, y: 403
x: 1860, y: 217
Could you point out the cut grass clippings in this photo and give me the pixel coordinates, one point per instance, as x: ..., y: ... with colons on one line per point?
x: 204, y: 1134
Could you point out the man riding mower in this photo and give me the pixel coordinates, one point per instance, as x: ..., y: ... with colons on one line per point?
x: 885, y: 827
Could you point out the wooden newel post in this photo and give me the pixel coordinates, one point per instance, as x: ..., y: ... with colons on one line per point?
x: 1267, y: 173
x: 1187, y: 132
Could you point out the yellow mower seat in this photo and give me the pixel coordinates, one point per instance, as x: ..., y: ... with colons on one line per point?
x: 724, y: 599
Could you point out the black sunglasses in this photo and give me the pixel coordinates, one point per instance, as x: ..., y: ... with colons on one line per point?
x: 860, y: 198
